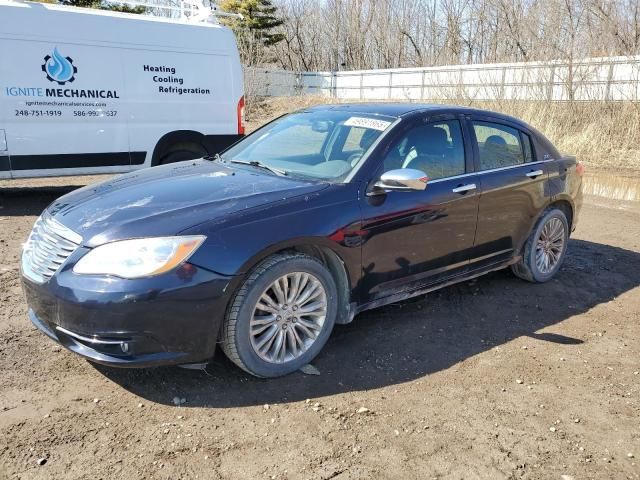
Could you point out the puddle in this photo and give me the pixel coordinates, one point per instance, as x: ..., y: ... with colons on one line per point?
x: 612, y: 186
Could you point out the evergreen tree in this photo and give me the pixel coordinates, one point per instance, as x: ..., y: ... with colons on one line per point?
x: 259, y: 19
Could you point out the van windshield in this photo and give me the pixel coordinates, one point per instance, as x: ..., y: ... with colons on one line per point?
x: 321, y: 144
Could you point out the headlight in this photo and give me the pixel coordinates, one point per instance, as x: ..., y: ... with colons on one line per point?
x: 142, y: 257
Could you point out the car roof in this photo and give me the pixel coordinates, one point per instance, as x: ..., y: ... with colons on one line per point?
x: 400, y: 109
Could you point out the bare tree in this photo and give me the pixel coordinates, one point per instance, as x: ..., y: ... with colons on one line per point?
x: 365, y: 34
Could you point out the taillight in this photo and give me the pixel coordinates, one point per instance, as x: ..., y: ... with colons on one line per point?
x: 241, y: 116
x: 580, y: 169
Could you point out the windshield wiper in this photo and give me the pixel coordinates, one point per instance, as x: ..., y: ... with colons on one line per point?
x: 255, y: 163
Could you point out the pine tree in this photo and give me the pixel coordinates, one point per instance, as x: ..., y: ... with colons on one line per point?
x: 259, y: 18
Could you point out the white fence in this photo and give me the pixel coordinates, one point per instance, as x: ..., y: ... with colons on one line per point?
x: 610, y: 79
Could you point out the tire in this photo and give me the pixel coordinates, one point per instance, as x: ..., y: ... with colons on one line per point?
x: 528, y: 267
x: 241, y: 337
x: 181, y: 152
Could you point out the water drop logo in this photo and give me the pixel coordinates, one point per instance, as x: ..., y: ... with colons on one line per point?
x: 58, y: 68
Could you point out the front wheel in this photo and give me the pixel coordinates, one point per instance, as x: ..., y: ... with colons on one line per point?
x: 545, y: 249
x: 281, y: 317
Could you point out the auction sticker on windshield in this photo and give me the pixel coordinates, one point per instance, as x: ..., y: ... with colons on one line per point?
x: 364, y: 122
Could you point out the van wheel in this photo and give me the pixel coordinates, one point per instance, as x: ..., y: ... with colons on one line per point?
x: 183, y: 151
x: 545, y: 249
x: 281, y: 316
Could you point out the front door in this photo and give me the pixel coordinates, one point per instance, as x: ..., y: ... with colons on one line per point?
x: 416, y: 238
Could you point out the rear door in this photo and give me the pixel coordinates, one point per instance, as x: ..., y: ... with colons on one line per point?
x: 514, y: 187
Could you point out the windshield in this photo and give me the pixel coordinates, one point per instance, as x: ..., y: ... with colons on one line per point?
x: 320, y: 144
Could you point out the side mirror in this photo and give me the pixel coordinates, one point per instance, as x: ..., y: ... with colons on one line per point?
x: 402, y: 180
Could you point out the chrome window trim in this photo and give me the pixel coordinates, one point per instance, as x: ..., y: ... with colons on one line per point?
x: 454, y: 177
x: 391, y: 127
x: 482, y: 172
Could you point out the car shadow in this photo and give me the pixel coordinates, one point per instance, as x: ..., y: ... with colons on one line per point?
x: 21, y: 201
x: 413, y: 339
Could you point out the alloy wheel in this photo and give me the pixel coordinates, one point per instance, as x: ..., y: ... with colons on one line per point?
x: 288, y: 317
x: 550, y: 245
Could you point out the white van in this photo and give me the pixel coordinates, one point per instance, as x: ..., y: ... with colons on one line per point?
x: 88, y: 91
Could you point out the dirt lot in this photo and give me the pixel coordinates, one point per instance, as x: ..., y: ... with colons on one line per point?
x: 494, y: 378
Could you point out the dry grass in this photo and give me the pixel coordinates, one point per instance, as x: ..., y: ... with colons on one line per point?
x: 602, y: 135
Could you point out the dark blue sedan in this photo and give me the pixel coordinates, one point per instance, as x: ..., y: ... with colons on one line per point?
x: 303, y: 224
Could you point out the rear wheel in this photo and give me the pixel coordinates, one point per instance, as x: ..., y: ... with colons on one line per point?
x: 183, y: 151
x: 545, y: 249
x: 281, y: 317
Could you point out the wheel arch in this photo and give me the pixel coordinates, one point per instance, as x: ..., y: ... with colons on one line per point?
x: 177, y: 136
x: 566, y: 205
x: 331, y: 259
x: 563, y: 203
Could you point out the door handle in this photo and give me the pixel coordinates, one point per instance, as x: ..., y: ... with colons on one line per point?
x: 535, y: 173
x: 464, y: 188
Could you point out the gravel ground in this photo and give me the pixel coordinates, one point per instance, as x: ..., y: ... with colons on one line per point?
x: 494, y: 378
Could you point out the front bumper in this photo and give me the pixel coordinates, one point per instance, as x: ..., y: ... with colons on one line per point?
x: 166, y: 320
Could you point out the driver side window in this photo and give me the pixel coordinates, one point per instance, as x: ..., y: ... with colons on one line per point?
x: 436, y: 148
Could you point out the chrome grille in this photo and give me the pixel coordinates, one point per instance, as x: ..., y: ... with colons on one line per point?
x: 48, y: 247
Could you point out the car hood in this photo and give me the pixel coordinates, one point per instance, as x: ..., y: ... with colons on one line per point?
x: 168, y: 199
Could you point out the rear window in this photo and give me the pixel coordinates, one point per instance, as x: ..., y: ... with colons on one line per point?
x: 498, y: 145
x: 528, y: 151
